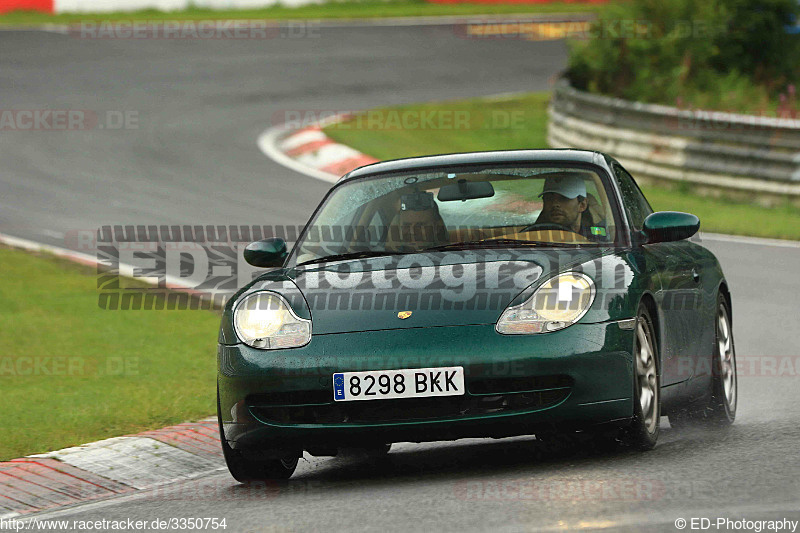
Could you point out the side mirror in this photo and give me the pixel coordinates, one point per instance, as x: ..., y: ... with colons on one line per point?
x: 266, y: 253
x: 668, y: 226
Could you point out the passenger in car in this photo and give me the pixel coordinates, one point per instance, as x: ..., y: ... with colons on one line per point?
x: 417, y: 224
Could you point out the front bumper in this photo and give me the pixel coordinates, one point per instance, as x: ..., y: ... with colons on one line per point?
x: 283, y: 399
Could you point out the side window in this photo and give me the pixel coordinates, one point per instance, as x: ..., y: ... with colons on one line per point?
x: 635, y: 203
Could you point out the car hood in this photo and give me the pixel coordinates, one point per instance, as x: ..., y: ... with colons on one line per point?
x: 425, y: 290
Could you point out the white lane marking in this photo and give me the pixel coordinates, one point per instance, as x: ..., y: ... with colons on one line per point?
x: 125, y: 269
x: 53, y: 234
x: 33, y: 246
x: 139, y: 462
x: 502, y: 97
x: 62, y: 29
x: 268, y: 144
x: 758, y: 241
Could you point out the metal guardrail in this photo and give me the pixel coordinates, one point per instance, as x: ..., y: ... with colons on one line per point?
x: 749, y: 155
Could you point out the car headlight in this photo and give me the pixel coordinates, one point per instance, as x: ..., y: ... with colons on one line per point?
x: 265, y: 320
x: 559, y: 302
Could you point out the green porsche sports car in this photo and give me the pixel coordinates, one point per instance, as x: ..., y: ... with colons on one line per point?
x: 482, y: 294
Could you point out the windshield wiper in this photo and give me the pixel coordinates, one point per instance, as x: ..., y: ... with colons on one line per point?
x: 351, y: 255
x: 482, y: 243
x: 485, y: 243
x: 503, y: 243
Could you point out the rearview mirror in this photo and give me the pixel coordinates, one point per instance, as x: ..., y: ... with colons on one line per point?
x: 266, y: 253
x: 465, y: 190
x: 668, y: 226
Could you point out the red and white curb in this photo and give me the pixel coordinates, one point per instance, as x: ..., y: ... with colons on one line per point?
x: 108, y: 468
x: 311, y: 152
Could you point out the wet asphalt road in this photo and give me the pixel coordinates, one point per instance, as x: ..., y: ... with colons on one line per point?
x: 193, y: 160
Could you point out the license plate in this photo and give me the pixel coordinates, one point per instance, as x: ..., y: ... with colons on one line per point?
x: 405, y: 383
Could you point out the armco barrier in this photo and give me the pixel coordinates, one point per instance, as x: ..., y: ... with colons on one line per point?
x: 713, y: 152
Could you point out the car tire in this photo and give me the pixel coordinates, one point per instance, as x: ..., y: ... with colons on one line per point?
x: 645, y: 426
x: 245, y: 470
x: 718, y: 409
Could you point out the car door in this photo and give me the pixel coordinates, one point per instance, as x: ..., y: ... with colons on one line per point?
x: 679, y: 297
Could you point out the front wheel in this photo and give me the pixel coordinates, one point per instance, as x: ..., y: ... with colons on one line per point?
x: 245, y: 470
x: 644, y: 428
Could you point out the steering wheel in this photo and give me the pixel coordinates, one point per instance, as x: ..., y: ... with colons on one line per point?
x: 544, y: 226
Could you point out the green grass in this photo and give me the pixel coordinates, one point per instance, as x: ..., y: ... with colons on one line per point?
x: 379, y: 135
x: 111, y: 372
x: 331, y: 9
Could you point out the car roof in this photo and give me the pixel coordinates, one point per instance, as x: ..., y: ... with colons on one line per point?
x: 433, y: 162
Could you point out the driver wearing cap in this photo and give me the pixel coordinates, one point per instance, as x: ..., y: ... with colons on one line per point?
x: 565, y: 203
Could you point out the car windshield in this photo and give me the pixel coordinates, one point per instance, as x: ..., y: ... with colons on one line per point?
x: 493, y: 207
